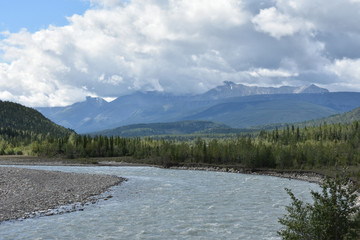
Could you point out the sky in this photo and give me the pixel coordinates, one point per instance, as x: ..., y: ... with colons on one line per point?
x: 57, y: 52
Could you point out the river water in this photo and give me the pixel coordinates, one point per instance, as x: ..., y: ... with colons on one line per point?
x: 170, y: 204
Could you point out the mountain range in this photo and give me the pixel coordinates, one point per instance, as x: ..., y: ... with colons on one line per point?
x: 230, y: 89
x: 205, y: 128
x: 235, y: 105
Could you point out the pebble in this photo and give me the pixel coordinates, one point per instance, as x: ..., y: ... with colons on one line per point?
x: 27, y: 193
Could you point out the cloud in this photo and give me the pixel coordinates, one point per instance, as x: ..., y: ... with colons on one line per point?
x: 106, y: 3
x: 348, y: 71
x: 114, y: 48
x: 182, y: 47
x: 279, y: 25
x: 263, y: 72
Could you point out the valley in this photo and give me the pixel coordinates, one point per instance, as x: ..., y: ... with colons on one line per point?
x: 271, y: 145
x: 302, y: 131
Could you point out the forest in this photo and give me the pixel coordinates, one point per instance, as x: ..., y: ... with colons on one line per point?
x: 24, y: 131
x: 291, y: 147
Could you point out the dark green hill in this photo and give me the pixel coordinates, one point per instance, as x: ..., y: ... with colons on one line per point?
x: 344, y: 118
x: 18, y: 118
x: 172, y: 128
x: 347, y: 117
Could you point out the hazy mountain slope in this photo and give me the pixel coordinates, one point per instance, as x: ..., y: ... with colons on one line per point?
x: 246, y: 114
x: 148, y: 107
x: 171, y: 128
x: 77, y: 115
x: 20, y: 118
x: 347, y: 117
x: 338, y: 101
x: 221, y: 104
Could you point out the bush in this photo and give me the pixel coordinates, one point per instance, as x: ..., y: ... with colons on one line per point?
x: 333, y: 215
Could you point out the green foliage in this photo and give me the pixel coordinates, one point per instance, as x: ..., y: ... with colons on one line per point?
x: 333, y: 214
x: 25, y: 131
x: 288, y: 148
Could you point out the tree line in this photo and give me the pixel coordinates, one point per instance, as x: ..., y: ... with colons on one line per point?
x: 290, y: 147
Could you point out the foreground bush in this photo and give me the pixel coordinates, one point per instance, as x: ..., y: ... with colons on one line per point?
x: 333, y: 214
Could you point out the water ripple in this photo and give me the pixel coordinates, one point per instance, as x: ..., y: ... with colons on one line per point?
x: 170, y: 204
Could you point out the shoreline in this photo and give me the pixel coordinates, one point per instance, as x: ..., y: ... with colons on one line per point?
x: 308, y: 176
x: 36, y: 161
x: 64, y: 198
x: 27, y: 193
x: 311, y: 177
x: 39, y: 161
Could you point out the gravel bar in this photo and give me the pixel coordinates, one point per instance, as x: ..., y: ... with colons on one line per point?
x: 27, y: 193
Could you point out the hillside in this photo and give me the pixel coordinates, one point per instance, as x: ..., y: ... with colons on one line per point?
x: 208, y: 127
x: 345, y: 118
x: 172, y: 128
x: 247, y: 114
x: 15, y: 117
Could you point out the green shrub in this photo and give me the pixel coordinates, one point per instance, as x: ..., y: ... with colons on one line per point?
x: 333, y: 214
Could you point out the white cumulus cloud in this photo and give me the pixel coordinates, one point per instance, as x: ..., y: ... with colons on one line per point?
x: 116, y: 47
x: 278, y: 25
x: 263, y: 72
x: 181, y: 46
x: 348, y: 71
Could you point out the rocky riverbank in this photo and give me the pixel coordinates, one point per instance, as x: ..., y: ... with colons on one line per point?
x: 297, y: 175
x: 26, y: 193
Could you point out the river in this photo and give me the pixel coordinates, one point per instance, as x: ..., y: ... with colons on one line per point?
x: 170, y: 204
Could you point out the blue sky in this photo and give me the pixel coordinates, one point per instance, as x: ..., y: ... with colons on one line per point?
x: 110, y: 48
x: 38, y: 14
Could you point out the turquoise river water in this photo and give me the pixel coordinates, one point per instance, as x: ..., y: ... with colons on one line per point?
x: 170, y: 204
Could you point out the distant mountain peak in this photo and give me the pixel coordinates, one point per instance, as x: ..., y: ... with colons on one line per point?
x: 224, y: 103
x: 229, y: 83
x: 95, y: 100
x: 231, y: 89
x: 226, y: 85
x: 311, y: 89
x: 89, y: 98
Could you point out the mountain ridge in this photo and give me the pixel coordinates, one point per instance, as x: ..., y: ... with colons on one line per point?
x: 231, y: 89
x: 95, y: 114
x: 207, y: 127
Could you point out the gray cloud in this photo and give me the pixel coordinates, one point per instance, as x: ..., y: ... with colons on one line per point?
x: 183, y: 47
